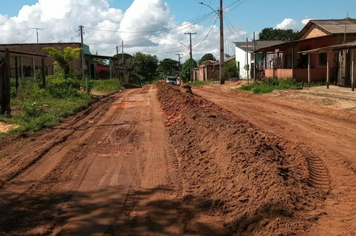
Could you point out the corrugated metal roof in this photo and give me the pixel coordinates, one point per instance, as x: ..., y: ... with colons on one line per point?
x: 331, y: 48
x: 331, y: 26
x: 259, y: 44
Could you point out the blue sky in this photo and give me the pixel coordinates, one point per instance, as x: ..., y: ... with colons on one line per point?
x: 251, y: 15
x: 245, y: 16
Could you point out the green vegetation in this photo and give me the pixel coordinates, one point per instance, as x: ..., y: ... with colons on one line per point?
x: 186, y: 69
x: 268, y: 34
x: 198, y: 83
x: 63, y: 58
x: 106, y: 86
x: 34, y: 108
x: 270, y: 84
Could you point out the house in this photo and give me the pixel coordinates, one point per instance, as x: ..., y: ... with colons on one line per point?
x: 303, y: 58
x: 244, y: 52
x: 103, y: 71
x: 24, y: 65
x: 209, y: 70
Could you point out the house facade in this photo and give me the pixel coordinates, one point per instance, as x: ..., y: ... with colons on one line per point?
x: 25, y: 66
x: 287, y: 60
x: 209, y: 70
x: 244, y: 52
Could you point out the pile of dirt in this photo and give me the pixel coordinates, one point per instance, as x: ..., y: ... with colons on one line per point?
x: 250, y: 182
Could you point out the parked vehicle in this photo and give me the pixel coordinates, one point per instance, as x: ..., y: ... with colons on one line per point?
x: 171, y: 80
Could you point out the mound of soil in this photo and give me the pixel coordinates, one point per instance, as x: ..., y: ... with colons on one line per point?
x: 251, y: 182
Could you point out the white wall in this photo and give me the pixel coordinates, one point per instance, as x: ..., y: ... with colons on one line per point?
x: 241, y: 57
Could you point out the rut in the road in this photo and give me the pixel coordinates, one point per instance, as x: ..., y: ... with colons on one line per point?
x: 250, y: 182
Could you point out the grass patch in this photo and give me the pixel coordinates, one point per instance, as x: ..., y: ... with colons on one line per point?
x: 106, y: 86
x: 198, y: 83
x: 270, y: 84
x: 34, y: 108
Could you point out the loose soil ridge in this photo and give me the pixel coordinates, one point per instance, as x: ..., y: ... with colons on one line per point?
x: 256, y: 184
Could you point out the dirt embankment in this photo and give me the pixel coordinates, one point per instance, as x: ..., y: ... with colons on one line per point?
x: 259, y: 184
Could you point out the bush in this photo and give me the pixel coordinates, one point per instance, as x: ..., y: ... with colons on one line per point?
x: 106, y: 85
x: 63, y: 88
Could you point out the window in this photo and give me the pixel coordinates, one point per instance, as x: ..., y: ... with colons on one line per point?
x: 323, y: 58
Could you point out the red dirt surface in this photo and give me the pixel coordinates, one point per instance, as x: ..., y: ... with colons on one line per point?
x: 164, y: 161
x: 251, y: 183
x: 326, y: 136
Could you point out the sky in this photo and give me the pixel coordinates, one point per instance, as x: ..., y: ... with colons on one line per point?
x: 158, y: 27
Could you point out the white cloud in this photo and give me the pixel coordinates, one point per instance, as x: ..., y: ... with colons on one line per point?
x: 146, y: 26
x: 289, y: 23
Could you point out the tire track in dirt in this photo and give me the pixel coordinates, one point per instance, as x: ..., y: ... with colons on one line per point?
x: 63, y: 165
x: 327, y: 141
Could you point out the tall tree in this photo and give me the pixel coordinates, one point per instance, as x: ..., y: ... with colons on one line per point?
x: 145, y: 65
x: 207, y: 57
x: 269, y: 34
x: 186, y: 69
x: 168, y: 67
x: 62, y: 58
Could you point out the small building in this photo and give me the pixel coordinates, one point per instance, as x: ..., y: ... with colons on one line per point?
x: 26, y: 65
x: 103, y: 71
x: 289, y: 61
x: 209, y: 70
x: 244, y: 52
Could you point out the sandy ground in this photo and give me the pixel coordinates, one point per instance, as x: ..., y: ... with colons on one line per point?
x: 4, y: 128
x: 334, y: 97
x: 161, y: 160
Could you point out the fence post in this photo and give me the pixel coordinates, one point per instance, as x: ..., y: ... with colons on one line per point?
x: 5, y: 105
x: 43, y: 73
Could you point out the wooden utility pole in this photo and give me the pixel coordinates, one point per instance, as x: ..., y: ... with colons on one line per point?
x: 254, y: 57
x: 222, y: 61
x: 123, y: 62
x: 179, y: 57
x: 191, y: 55
x: 247, y: 65
x: 5, y: 82
x: 82, y: 52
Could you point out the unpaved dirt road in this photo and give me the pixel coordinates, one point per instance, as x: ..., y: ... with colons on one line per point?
x: 161, y: 160
x: 107, y: 171
x: 327, y: 136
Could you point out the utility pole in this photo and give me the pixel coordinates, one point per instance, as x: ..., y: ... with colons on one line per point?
x: 247, y: 65
x: 82, y: 52
x: 254, y: 57
x: 222, y: 61
x: 123, y: 63
x: 179, y: 57
x: 191, y: 55
x: 37, y: 29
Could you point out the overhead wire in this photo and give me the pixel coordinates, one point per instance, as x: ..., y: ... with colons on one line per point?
x: 28, y: 37
x: 207, y: 35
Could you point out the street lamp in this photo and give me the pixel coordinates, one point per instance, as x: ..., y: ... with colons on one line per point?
x: 221, y: 16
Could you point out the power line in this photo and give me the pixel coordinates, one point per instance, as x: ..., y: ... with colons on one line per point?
x: 228, y: 20
x: 28, y: 37
x: 211, y: 27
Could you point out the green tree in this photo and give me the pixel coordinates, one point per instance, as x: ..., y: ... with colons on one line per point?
x: 62, y: 58
x: 121, y: 63
x: 269, y: 34
x: 207, y: 57
x: 145, y: 65
x: 168, y: 67
x: 186, y: 69
x: 231, y: 69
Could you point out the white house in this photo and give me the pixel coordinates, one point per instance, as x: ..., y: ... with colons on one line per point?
x: 244, y: 56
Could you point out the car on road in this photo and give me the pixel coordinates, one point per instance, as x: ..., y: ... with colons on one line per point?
x: 171, y: 80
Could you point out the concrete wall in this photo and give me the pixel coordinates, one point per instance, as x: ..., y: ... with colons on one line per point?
x: 241, y: 59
